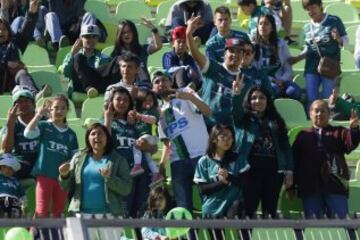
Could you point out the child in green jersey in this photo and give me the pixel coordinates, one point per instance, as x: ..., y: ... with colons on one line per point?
x: 58, y: 143
x: 12, y: 195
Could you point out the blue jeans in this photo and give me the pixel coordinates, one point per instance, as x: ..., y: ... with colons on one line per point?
x: 313, y: 82
x: 290, y: 90
x: 329, y: 204
x: 54, y: 28
x: 39, y: 30
x: 182, y: 174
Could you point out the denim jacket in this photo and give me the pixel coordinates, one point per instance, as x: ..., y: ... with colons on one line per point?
x: 117, y: 185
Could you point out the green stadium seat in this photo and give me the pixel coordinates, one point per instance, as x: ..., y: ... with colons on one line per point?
x: 35, y: 56
x: 80, y: 133
x: 292, y: 111
x: 346, y: 12
x: 325, y: 234
x: 5, y: 103
x: 162, y: 12
x: 293, y: 132
x: 348, y: 62
x: 143, y: 32
x: 92, y: 108
x: 350, y: 84
x: 351, y: 32
x: 216, y: 3
x: 61, y: 54
x: 155, y: 59
x: 273, y: 234
x: 355, y: 3
x: 107, y: 50
x: 45, y: 77
x: 300, y: 16
x: 290, y: 208
x: 48, y: 68
x: 100, y: 9
x: 132, y: 10
x: 300, y: 80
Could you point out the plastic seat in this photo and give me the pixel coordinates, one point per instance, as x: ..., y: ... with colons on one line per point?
x: 292, y: 111
x: 35, y: 56
x: 348, y: 62
x: 216, y: 3
x: 80, y: 134
x: 71, y: 116
x: 325, y: 234
x: 354, y: 3
x: 290, y: 208
x: 92, y: 108
x: 143, y: 32
x: 300, y: 16
x: 351, y: 32
x: 155, y: 59
x: 300, y: 80
x: 5, y: 103
x: 100, y: 9
x: 346, y: 12
x: 132, y: 10
x: 108, y: 50
x: 273, y: 234
x: 350, y: 84
x: 48, y: 68
x: 45, y: 77
x: 61, y: 54
x: 162, y: 11
x: 293, y: 132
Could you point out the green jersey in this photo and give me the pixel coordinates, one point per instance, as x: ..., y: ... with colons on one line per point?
x: 146, y: 128
x: 124, y: 136
x: 10, y: 186
x: 321, y: 33
x: 57, y: 145
x: 217, y: 203
x: 217, y: 91
x: 254, y: 76
x: 25, y: 150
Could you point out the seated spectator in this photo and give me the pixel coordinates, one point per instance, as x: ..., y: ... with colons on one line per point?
x: 64, y: 21
x: 182, y: 10
x: 80, y: 62
x: 249, y: 8
x: 98, y: 173
x: 12, y: 135
x: 272, y: 55
x: 127, y: 40
x: 14, y: 12
x: 12, y: 71
x: 321, y: 173
x: 179, y: 62
x: 215, y: 46
x: 13, y: 200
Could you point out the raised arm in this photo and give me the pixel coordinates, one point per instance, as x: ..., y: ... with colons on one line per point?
x: 157, y: 45
x: 192, y: 25
x: 7, y: 143
x: 203, y: 107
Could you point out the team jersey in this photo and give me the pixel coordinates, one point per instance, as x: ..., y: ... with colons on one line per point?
x: 217, y: 91
x: 25, y: 150
x: 145, y: 128
x: 322, y: 35
x: 10, y: 186
x: 215, y: 46
x: 124, y: 136
x: 254, y: 76
x: 217, y: 203
x: 270, y: 62
x: 181, y: 123
x: 57, y: 145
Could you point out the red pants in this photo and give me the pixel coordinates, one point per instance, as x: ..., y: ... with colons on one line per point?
x: 49, y: 193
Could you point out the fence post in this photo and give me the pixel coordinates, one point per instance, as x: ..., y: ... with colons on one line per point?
x: 75, y: 229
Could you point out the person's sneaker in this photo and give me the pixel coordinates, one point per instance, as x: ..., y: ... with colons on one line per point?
x: 289, y: 40
x: 64, y: 41
x: 52, y: 48
x: 136, y: 170
x: 92, y: 93
x: 156, y: 180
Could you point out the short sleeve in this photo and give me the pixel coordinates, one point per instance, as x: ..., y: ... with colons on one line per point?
x: 201, y: 174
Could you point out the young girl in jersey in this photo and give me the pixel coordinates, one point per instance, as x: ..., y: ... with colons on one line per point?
x: 58, y: 143
x: 147, y: 114
x: 156, y: 206
x: 118, y: 120
x: 216, y: 176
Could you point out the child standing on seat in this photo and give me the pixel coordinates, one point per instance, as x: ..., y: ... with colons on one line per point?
x: 147, y: 114
x: 58, y: 143
x: 12, y: 196
x: 156, y: 206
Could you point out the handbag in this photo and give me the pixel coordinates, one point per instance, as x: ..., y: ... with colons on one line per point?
x: 327, y: 67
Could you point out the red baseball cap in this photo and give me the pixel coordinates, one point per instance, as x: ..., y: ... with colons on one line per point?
x: 235, y: 42
x: 178, y: 32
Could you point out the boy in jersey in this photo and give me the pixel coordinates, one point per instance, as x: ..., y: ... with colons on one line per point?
x: 215, y: 46
x: 12, y: 135
x: 183, y: 130
x: 218, y: 77
x: 12, y: 196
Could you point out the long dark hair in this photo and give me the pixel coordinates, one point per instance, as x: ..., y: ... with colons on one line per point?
x: 8, y: 28
x: 63, y: 98
x: 135, y: 46
x: 108, y: 146
x: 214, y: 133
x: 127, y: 93
x: 271, y: 114
x: 273, y: 40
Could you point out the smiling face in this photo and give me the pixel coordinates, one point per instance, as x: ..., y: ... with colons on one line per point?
x: 97, y: 139
x: 121, y: 103
x: 129, y: 71
x: 25, y: 105
x: 319, y: 114
x: 162, y: 85
x: 59, y: 111
x: 232, y: 57
x: 258, y: 102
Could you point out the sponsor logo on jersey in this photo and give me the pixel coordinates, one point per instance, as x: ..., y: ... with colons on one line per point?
x: 175, y: 128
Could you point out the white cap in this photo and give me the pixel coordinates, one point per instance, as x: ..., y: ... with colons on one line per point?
x: 90, y: 29
x: 10, y: 161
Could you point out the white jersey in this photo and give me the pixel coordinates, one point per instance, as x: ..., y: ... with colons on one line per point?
x: 182, y: 123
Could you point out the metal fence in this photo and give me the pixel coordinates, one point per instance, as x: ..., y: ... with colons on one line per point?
x: 85, y: 229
